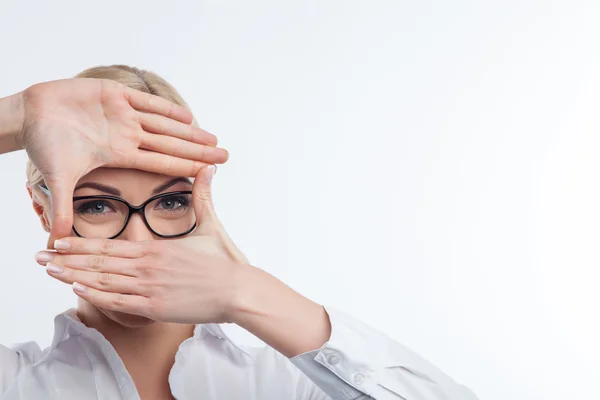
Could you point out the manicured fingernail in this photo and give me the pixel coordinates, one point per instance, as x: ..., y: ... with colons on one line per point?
x: 78, y: 287
x: 43, y: 256
x: 210, y: 172
x: 61, y: 244
x: 53, y: 268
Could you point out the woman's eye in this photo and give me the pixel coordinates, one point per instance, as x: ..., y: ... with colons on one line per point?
x: 95, y: 208
x: 174, y: 203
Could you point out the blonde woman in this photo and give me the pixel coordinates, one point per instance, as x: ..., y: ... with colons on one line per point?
x: 156, y: 274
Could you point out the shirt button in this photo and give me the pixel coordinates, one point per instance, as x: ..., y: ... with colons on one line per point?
x: 359, y: 378
x: 333, y: 359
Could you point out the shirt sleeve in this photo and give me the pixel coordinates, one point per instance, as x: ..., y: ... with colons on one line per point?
x: 359, y: 362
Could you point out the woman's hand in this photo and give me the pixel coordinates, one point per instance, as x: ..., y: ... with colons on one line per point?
x: 199, y: 279
x: 73, y: 126
x: 189, y: 280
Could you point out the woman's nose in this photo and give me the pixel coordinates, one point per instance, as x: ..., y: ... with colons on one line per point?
x: 136, y: 230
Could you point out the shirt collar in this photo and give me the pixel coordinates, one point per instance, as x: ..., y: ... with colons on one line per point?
x: 217, y: 331
x: 67, y: 324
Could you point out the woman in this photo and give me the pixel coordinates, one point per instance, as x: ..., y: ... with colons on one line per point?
x: 156, y: 273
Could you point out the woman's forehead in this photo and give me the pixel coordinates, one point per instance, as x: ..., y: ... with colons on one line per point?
x: 130, y: 181
x: 121, y: 175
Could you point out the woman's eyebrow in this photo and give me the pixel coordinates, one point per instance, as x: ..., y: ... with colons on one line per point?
x: 170, y: 183
x: 103, y: 188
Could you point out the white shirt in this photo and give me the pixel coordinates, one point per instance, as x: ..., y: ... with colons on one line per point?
x: 357, y: 362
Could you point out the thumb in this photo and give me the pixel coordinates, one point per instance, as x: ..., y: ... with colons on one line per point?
x: 206, y: 219
x: 61, y: 202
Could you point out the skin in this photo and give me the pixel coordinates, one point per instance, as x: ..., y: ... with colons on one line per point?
x: 71, y: 126
x: 144, y: 293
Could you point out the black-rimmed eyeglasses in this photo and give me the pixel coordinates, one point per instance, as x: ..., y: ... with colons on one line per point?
x: 167, y: 215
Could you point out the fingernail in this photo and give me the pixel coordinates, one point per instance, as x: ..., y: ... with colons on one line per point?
x: 61, y: 244
x: 210, y: 172
x: 54, y: 269
x: 78, y: 287
x: 43, y: 256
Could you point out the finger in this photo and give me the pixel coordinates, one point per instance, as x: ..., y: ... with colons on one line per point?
x: 103, y: 281
x: 61, y: 202
x: 154, y: 104
x: 105, y: 247
x: 182, y: 149
x: 207, y: 222
x: 127, y: 303
x: 166, y: 165
x: 155, y: 123
x: 93, y: 263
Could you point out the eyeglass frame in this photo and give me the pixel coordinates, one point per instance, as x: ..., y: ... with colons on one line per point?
x: 141, y: 209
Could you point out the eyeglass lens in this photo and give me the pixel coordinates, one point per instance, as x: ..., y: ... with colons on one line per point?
x: 105, y: 218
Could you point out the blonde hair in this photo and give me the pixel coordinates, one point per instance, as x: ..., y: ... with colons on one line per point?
x: 139, y: 79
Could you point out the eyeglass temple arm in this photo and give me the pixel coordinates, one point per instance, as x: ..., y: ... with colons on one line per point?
x: 44, y: 189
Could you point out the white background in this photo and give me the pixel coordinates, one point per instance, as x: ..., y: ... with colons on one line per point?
x: 429, y: 167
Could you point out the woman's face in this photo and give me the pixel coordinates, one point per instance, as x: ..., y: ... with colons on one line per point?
x: 100, y: 218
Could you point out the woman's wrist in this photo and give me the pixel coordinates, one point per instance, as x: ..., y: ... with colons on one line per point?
x: 238, y: 297
x: 277, y: 314
x: 12, y: 115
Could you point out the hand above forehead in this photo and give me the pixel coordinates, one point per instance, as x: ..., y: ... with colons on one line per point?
x: 72, y: 126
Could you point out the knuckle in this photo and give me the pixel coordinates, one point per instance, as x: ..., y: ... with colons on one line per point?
x: 170, y: 111
x: 104, y: 279
x: 76, y: 245
x: 195, y: 167
x: 203, y: 196
x: 177, y: 148
x: 148, y: 100
x: 107, y: 247
x: 139, y: 268
x: 144, y: 267
x: 146, y: 248
x: 161, y: 128
x: 119, y: 301
x: 193, y: 134
x: 96, y: 262
x: 168, y: 168
x: 156, y: 248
